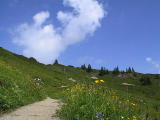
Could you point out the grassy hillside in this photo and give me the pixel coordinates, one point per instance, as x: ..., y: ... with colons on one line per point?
x: 16, y: 88
x: 16, y: 80
x: 17, y: 85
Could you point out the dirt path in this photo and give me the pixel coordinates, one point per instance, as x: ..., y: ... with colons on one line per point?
x: 43, y: 110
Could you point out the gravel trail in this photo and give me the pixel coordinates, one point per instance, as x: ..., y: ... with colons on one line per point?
x: 43, y: 110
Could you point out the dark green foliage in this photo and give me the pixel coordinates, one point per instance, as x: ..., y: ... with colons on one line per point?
x: 83, y: 67
x: 55, y: 62
x: 89, y: 69
x: 71, y: 66
x: 135, y: 74
x: 129, y: 70
x: 106, y: 71
x: 116, y: 71
x: 133, y: 71
x: 145, y: 80
x: 157, y: 76
x: 122, y: 72
x: 103, y: 71
x: 32, y: 59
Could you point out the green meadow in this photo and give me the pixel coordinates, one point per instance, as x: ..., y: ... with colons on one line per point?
x: 84, y: 98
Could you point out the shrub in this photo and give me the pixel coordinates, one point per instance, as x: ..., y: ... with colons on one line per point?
x: 32, y: 59
x: 145, y: 80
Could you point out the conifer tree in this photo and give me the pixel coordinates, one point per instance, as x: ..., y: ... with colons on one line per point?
x: 133, y: 70
x: 102, y: 71
x: 116, y: 71
x: 89, y: 69
x: 55, y: 62
x: 129, y: 70
x: 126, y: 70
x: 83, y: 67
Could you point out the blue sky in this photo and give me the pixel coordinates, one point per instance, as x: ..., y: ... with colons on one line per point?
x: 128, y: 36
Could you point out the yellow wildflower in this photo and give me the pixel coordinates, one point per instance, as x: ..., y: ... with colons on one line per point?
x: 102, y: 81
x: 97, y: 81
x: 134, y: 118
x: 133, y: 104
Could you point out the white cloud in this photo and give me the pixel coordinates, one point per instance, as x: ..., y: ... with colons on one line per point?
x: 41, y: 17
x: 45, y: 43
x: 155, y: 64
x: 148, y: 59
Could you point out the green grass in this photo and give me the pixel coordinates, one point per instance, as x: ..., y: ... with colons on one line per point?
x: 94, y: 101
x: 17, y: 87
x: 149, y: 94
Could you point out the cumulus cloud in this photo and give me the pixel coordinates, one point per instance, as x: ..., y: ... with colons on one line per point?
x: 45, y: 42
x: 155, y: 64
x: 41, y: 17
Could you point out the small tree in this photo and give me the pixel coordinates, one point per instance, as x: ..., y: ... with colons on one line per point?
x: 102, y: 71
x: 55, y: 62
x: 89, y: 69
x: 83, y: 67
x: 116, y: 71
x: 126, y: 70
x: 133, y: 70
x: 129, y: 70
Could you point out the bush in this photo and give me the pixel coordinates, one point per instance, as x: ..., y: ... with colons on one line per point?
x: 103, y: 71
x: 145, y: 80
x: 32, y: 59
